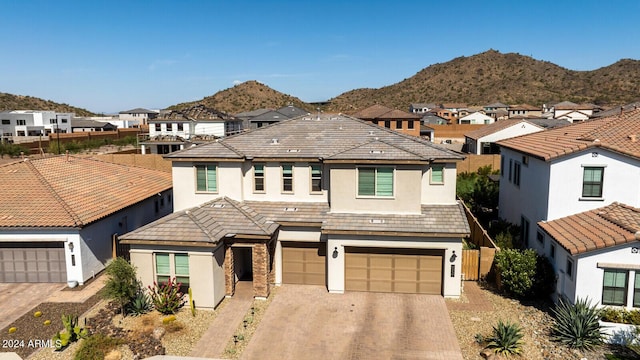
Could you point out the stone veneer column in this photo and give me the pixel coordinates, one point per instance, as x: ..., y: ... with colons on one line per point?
x: 260, y: 271
x: 229, y: 276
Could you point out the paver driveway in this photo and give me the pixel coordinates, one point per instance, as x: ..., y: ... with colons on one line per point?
x: 306, y: 322
x: 18, y: 298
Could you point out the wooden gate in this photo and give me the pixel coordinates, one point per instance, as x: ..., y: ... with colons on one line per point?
x: 477, y: 263
x: 119, y: 250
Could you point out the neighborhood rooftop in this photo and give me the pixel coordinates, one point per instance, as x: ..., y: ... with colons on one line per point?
x: 612, y: 225
x: 320, y: 137
x: 617, y: 133
x: 71, y: 191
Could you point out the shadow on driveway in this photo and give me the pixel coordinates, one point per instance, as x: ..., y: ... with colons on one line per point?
x: 306, y: 322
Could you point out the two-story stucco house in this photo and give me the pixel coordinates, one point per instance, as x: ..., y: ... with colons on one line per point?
x: 398, y: 120
x: 548, y: 177
x: 329, y: 200
x: 59, y: 215
x: 174, y: 130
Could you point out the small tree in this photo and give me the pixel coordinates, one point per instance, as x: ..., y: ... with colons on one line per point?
x: 517, y: 270
x: 122, y: 284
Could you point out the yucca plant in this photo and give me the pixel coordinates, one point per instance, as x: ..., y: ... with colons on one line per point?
x: 576, y: 325
x: 506, y: 339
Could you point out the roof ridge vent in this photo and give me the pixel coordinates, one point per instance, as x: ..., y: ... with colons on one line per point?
x: 293, y: 150
x: 218, y: 206
x: 376, y: 221
x: 274, y: 141
x: 370, y: 132
x: 376, y: 151
x: 291, y: 209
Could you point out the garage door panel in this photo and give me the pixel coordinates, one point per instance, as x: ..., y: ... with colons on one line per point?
x: 303, y: 263
x: 394, y: 270
x: 32, y: 262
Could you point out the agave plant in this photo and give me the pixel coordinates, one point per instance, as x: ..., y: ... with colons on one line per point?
x: 506, y: 339
x: 576, y: 325
x: 140, y: 304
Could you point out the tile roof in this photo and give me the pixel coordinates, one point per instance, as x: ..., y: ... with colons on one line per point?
x: 618, y: 109
x: 568, y: 105
x: 435, y: 219
x: 307, y: 137
x: 89, y: 123
x: 56, y: 192
x: 495, y: 127
x: 496, y: 105
x: 382, y: 112
x: 619, y: 133
x: 612, y: 225
x: 524, y: 107
x: 194, y: 113
x: 138, y: 111
x: 207, y: 223
x: 211, y: 222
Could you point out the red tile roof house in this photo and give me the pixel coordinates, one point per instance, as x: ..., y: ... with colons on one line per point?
x: 579, y: 184
x: 59, y: 215
x: 482, y: 140
x: 329, y: 200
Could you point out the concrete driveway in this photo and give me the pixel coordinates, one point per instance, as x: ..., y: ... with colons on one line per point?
x: 306, y: 322
x: 18, y: 298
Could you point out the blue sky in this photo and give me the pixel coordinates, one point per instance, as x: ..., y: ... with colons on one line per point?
x: 111, y: 55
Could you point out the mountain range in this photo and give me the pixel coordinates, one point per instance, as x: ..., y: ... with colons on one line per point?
x: 480, y: 79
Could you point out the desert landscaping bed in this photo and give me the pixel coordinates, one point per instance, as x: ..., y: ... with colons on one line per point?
x: 536, y: 320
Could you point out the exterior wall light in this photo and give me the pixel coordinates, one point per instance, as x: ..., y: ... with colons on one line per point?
x: 453, y: 257
x: 70, y: 245
x: 335, y: 252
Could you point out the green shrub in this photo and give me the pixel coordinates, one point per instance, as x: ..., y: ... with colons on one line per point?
x: 96, y: 347
x: 166, y: 297
x: 504, y: 240
x: 506, y: 339
x: 121, y: 285
x: 577, y: 326
x: 613, y: 315
x: 517, y: 270
x: 140, y: 304
x: 72, y: 332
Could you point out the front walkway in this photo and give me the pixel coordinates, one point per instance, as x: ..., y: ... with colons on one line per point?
x: 221, y: 330
x: 306, y: 322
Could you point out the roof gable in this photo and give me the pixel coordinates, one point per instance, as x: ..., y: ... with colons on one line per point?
x: 495, y: 127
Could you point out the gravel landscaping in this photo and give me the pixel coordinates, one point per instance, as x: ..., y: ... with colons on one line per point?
x: 535, y: 319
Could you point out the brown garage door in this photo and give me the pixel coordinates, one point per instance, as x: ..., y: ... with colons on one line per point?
x: 32, y: 262
x: 303, y: 263
x: 393, y: 270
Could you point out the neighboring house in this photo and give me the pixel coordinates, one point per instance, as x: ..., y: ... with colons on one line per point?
x: 138, y: 116
x: 571, y: 111
x: 329, y: 200
x: 59, y: 215
x: 455, y: 109
x: 421, y: 108
x: 497, y: 110
x: 273, y: 116
x: 495, y: 106
x: 248, y: 115
x: 433, y: 119
x: 397, y: 120
x: 524, y: 111
x: 447, y: 114
x: 617, y: 110
x: 596, y: 255
x: 476, y: 118
x: 483, y: 140
x: 569, y: 170
x: 83, y: 125
x: 428, y: 133
x: 574, y: 116
x: 174, y: 130
x: 20, y: 123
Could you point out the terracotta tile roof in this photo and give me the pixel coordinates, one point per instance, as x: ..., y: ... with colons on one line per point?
x: 307, y: 137
x: 56, y: 192
x: 612, y: 225
x: 568, y: 105
x: 382, y: 112
x: 620, y: 133
x: 207, y: 223
x: 495, y: 127
x: 435, y: 219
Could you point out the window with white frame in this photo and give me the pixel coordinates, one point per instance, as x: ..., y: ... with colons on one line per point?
x: 316, y: 178
x: 172, y: 266
x: 437, y: 174
x: 258, y: 178
x: 375, y: 181
x: 614, y: 287
x: 592, y: 181
x: 206, y: 178
x: 636, y: 290
x: 21, y: 122
x: 287, y: 178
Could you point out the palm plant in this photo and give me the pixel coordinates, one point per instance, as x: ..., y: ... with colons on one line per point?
x: 506, y: 339
x: 576, y: 325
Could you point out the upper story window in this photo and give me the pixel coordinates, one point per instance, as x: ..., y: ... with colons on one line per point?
x: 21, y: 122
x: 516, y: 173
x: 180, y: 127
x: 170, y: 127
x: 437, y: 174
x: 375, y: 181
x: 6, y: 122
x: 53, y: 121
x: 287, y: 178
x: 636, y: 290
x: 410, y: 124
x: 258, y: 178
x: 387, y: 124
x: 206, y: 178
x: 592, y: 181
x: 316, y: 178
x: 398, y: 124
x: 158, y: 127
x: 614, y: 287
x: 569, y: 268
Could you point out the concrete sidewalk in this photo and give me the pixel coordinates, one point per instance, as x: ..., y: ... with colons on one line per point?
x: 221, y: 330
